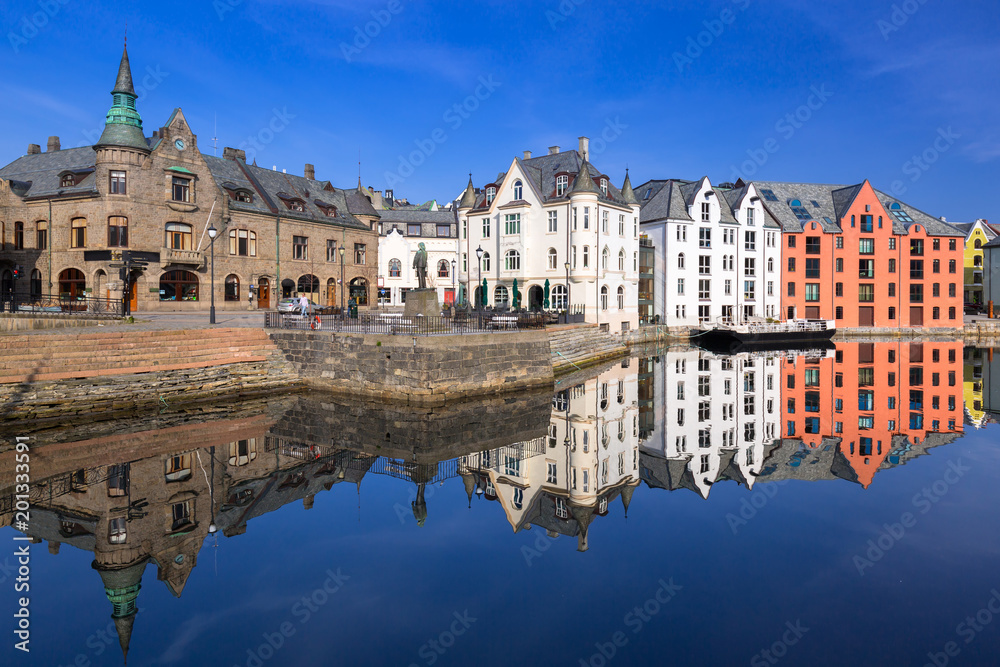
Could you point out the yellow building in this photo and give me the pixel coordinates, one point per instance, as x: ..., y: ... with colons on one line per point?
x: 972, y: 387
x: 977, y: 234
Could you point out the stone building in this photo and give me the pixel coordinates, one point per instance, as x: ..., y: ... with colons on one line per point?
x: 65, y: 215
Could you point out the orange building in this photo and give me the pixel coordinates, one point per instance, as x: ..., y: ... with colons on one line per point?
x: 856, y: 255
x: 874, y: 398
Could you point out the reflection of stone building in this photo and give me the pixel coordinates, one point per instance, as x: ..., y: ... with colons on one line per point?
x: 717, y: 418
x: 590, y: 458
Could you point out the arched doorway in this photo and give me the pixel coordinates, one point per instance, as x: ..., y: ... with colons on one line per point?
x: 101, y: 290
x: 359, y: 291
x: 287, y: 288
x: 331, y: 292
x: 178, y: 286
x: 535, y: 296
x: 7, y: 282
x: 263, y: 293
x: 309, y: 285
x: 72, y: 284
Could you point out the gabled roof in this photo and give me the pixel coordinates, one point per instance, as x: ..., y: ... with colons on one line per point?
x: 661, y: 200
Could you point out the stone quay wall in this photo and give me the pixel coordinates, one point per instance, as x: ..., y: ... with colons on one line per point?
x: 432, y: 370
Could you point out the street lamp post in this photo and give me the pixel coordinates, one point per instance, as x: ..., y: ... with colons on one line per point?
x: 454, y: 290
x: 568, y: 293
x: 479, y: 275
x: 212, y: 233
x: 343, y: 249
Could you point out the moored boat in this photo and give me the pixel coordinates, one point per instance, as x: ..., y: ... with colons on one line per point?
x: 761, y: 335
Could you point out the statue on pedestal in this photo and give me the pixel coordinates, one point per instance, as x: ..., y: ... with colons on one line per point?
x: 420, y: 264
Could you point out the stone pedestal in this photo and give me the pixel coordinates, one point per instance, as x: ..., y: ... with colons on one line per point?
x: 422, y: 302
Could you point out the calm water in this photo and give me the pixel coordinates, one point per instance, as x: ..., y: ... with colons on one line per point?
x: 826, y: 508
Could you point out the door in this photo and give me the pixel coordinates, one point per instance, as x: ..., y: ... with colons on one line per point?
x: 331, y: 292
x: 866, y: 316
x: 263, y: 294
x: 812, y: 312
x: 916, y: 316
x: 133, y: 296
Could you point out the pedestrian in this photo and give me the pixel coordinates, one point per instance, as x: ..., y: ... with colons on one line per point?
x: 303, y: 305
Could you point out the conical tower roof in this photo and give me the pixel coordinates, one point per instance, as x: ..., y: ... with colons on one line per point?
x: 124, y: 82
x: 627, y: 193
x: 121, y: 586
x: 584, y: 181
x: 469, y: 197
x: 123, y: 126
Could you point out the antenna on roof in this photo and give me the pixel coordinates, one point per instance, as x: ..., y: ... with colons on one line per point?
x: 215, y: 139
x: 359, y: 168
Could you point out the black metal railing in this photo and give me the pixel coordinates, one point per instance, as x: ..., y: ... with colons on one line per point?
x: 50, y: 304
x: 392, y: 324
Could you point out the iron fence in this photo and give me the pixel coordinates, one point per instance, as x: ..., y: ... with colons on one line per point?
x: 62, y: 304
x: 401, y: 325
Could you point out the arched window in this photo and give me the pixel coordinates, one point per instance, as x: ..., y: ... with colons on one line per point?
x: 178, y: 286
x: 67, y: 181
x: 553, y: 259
x: 78, y: 233
x: 444, y: 270
x: 308, y: 284
x: 512, y: 261
x: 243, y: 243
x: 501, y: 297
x: 232, y: 287
x: 359, y: 291
x: 117, y: 231
x: 35, y: 288
x: 680, y: 261
x: 621, y: 297
x: 978, y: 244
x: 518, y: 190
x: 559, y: 297
x: 604, y: 297
x: 562, y: 184
x: 621, y: 260
x: 179, y: 236
x: 395, y: 268
x: 486, y: 261
x: 770, y: 264
x: 605, y: 257
x: 244, y: 196
x: 491, y: 194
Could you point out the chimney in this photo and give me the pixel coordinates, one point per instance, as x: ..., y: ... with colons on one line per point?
x: 585, y: 148
x: 310, y: 172
x: 527, y: 155
x: 234, y: 154
x: 944, y: 219
x: 553, y: 150
x: 34, y: 149
x: 53, y: 144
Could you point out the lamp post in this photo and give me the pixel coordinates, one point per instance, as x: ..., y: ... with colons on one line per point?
x: 479, y: 275
x: 454, y: 291
x: 568, y: 300
x: 343, y: 249
x: 212, y: 233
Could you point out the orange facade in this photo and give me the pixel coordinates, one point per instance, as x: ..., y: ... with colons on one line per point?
x: 868, y: 276
x: 867, y: 394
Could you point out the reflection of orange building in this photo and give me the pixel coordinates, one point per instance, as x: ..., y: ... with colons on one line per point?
x: 869, y: 392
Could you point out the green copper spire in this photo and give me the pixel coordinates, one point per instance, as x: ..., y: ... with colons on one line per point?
x: 121, y: 586
x: 124, y: 124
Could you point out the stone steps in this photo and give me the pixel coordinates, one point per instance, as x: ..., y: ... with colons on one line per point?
x: 583, y: 344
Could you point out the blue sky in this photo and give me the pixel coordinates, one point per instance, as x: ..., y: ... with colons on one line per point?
x: 681, y: 89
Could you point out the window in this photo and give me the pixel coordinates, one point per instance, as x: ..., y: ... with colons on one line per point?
x: 42, y: 235
x: 243, y: 243
x: 551, y: 475
x: 749, y: 290
x: 936, y: 290
x: 704, y: 289
x: 892, y: 265
x: 116, y: 183
x: 395, y: 268
x: 936, y: 266
x: 444, y: 269
x: 621, y: 260
x: 553, y: 259
x: 866, y: 268
x: 604, y: 222
x: 553, y: 221
x: 682, y: 233
x: 117, y: 232
x: 512, y: 261
x: 247, y: 198
x: 812, y: 267
x: 791, y: 241
x: 706, y: 212
x: 562, y: 184
x: 518, y: 190
x: 512, y: 224
x: 705, y: 265
x: 178, y: 286
x: 866, y: 293
x: 232, y: 287
x: 813, y: 245
x: 300, y: 247
x: 917, y: 247
x: 586, y: 217
x: 791, y: 265
x: 621, y: 298
x: 770, y: 265
x: 35, y: 286
x: 916, y: 293
x: 750, y: 216
x: 840, y: 243
x: 916, y: 269
x: 586, y: 256
x: 181, y: 190
x: 812, y: 292
x: 750, y: 242
x: 621, y: 225
x: 605, y: 257
x: 178, y: 236
x: 78, y: 233
x: 680, y: 261
x: 486, y: 262
x: 892, y: 289
x: 18, y: 236
x: 951, y: 266
x: 491, y: 194
x: 704, y: 237
x: 749, y: 266
x: 866, y: 224
x: 866, y: 246
x: 680, y: 286
x: 838, y: 289
x: 559, y: 295
x: 604, y: 186
x: 67, y: 181
x: 501, y: 297
x: 604, y: 297
x: 359, y: 253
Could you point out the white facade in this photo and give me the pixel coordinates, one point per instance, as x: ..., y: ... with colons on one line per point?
x: 402, y: 232
x: 718, y: 253
x: 542, y: 214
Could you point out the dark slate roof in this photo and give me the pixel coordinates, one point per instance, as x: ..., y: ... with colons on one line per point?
x: 995, y: 243
x: 42, y: 171
x: 123, y: 84
x: 664, y: 200
x: 439, y: 217
x: 469, y: 196
x: 627, y: 193
x: 118, y: 134
x: 358, y: 203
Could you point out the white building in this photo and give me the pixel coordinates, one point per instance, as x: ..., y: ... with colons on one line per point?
x: 554, y: 218
x: 716, y: 418
x: 718, y: 252
x: 400, y: 233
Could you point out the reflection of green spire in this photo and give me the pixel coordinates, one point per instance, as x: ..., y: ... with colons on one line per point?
x: 122, y: 588
x: 124, y: 124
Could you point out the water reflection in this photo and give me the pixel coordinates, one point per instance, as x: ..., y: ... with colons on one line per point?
x: 151, y: 490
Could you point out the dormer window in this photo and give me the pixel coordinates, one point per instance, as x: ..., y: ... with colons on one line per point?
x: 604, y: 186
x: 328, y: 210
x: 67, y: 181
x: 243, y: 196
x: 491, y: 194
x: 295, y: 205
x: 562, y: 184
x: 518, y: 190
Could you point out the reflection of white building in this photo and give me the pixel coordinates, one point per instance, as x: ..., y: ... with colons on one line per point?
x: 716, y: 419
x: 547, y: 212
x: 400, y: 233
x: 718, y: 252
x: 590, y: 458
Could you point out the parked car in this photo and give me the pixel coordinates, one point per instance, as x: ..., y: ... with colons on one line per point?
x: 973, y: 308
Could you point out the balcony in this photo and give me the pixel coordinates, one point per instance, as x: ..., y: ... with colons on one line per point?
x: 194, y: 258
